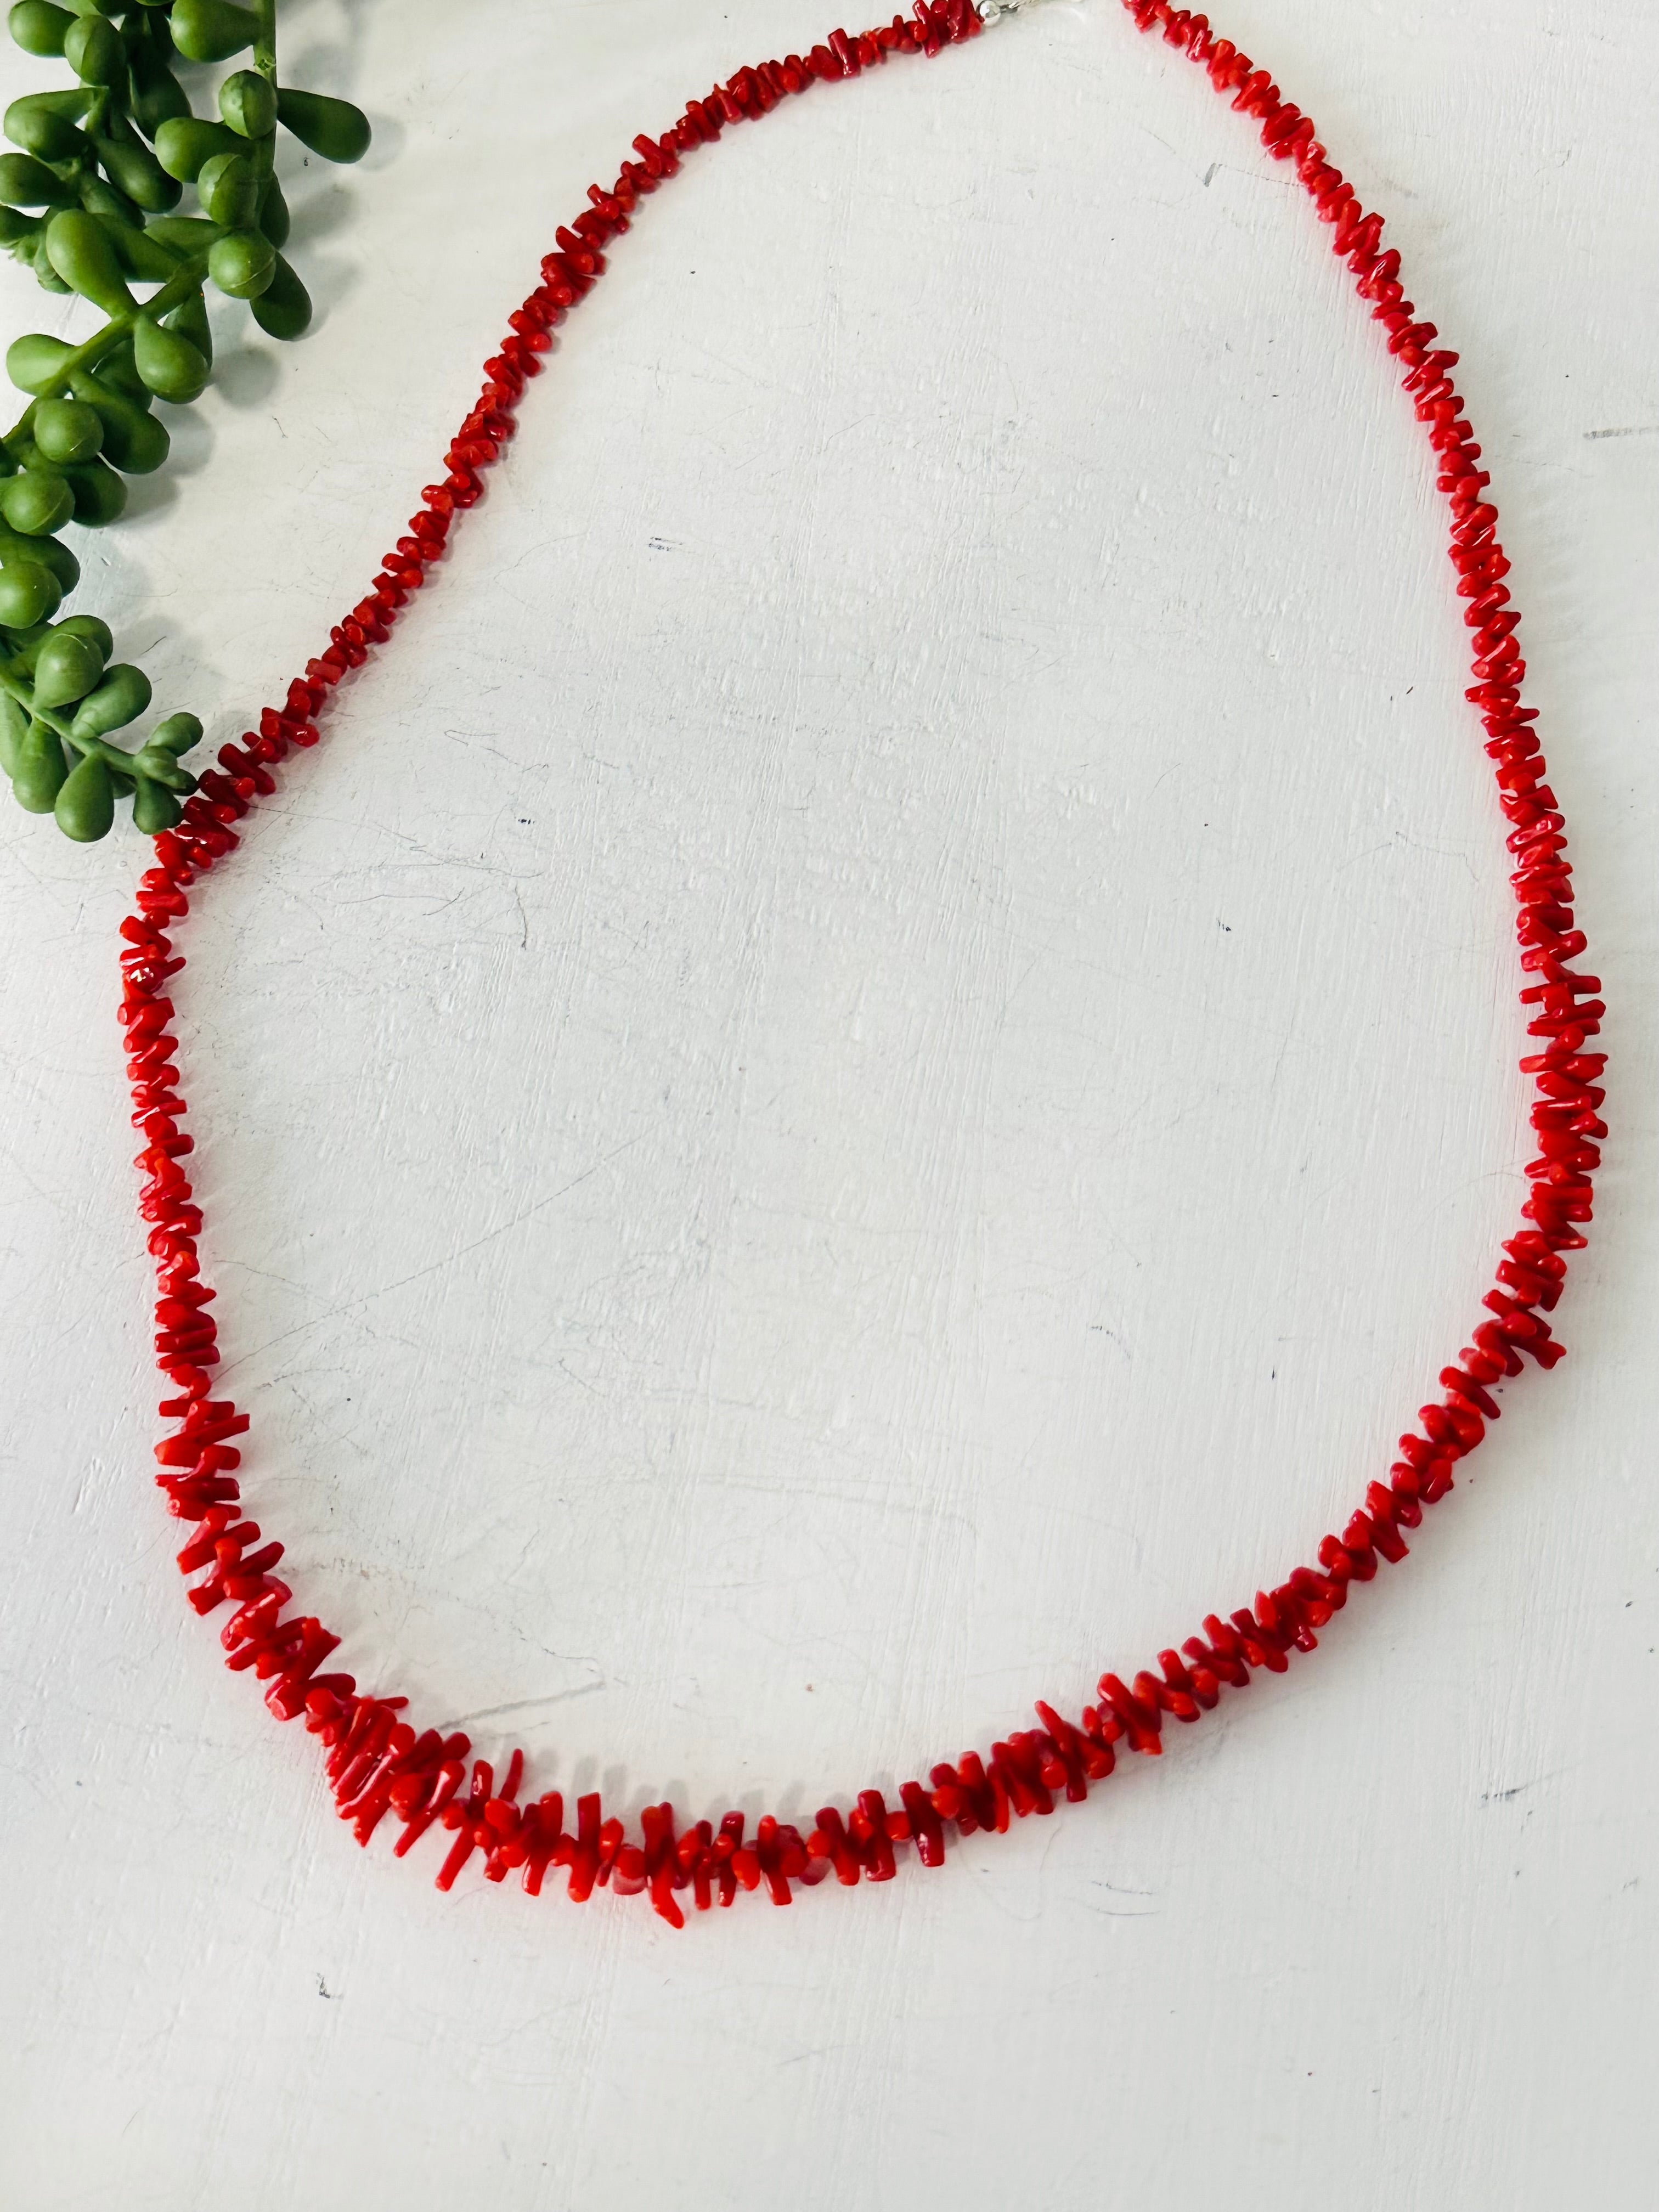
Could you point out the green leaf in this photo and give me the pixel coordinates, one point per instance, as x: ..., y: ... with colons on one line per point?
x: 26, y: 183
x: 184, y: 141
x: 282, y: 310
x: 36, y: 502
x: 274, y: 218
x: 113, y: 209
x: 179, y: 733
x: 116, y: 369
x: 190, y: 319
x: 40, y: 769
x: 100, y: 495
x: 14, y: 728
x: 170, y: 364
x: 94, y: 627
x: 119, y: 699
x: 157, y: 95
x: 66, y: 668
x: 44, y: 275
x: 333, y: 128
x: 42, y: 123
x: 39, y: 27
x: 133, y: 439
x: 142, y: 256
x: 154, y: 809
x: 247, y: 101
x: 50, y: 552
x: 229, y: 191
x: 29, y: 593
x: 186, y: 235
x: 243, y: 263
x: 67, y: 431
x: 85, y: 808
x: 211, y: 30
x: 129, y: 165
x: 79, y: 249
x: 95, y: 51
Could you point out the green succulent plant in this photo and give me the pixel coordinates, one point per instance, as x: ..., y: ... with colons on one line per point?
x: 89, y: 201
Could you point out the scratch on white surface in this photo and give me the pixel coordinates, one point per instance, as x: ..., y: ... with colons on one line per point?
x: 433, y: 1267
x: 527, y: 1704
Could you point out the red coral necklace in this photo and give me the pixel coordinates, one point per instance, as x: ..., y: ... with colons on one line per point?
x: 379, y: 1764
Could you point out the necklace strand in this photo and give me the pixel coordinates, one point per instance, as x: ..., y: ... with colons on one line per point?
x: 379, y: 1763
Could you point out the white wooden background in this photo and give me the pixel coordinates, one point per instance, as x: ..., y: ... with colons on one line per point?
x: 871, y: 1070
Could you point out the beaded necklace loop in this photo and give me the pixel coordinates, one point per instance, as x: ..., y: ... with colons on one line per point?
x: 379, y: 1763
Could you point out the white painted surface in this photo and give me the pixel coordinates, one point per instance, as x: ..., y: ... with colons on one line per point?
x: 870, y: 1071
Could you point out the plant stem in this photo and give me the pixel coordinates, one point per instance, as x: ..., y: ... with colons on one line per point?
x: 265, y: 38
x: 264, y: 60
x: 178, y: 288
x: 116, y: 758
